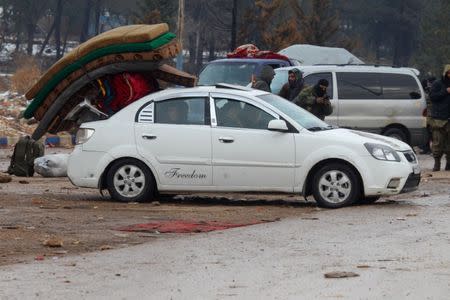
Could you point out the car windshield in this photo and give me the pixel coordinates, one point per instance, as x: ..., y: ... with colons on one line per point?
x: 301, y: 116
x: 227, y: 72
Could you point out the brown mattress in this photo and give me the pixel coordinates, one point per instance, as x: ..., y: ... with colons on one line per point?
x: 164, y: 73
x: 167, y: 51
x: 120, y: 35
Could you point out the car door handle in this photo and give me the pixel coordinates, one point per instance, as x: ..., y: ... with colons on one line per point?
x: 149, y: 136
x: 226, y: 139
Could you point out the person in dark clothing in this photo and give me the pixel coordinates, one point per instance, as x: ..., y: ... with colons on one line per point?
x: 440, y: 112
x: 265, y: 79
x: 175, y: 112
x: 294, y: 86
x: 229, y: 115
x: 427, y: 84
x: 315, y: 99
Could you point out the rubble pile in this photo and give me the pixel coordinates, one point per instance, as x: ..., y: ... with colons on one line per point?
x: 11, y: 106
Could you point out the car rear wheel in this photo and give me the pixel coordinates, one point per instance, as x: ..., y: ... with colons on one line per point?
x: 335, y: 185
x: 130, y: 180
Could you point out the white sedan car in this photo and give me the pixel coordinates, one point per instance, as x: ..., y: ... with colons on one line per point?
x: 229, y: 139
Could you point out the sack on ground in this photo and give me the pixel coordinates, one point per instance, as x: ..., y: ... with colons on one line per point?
x: 52, y: 165
x: 25, y: 152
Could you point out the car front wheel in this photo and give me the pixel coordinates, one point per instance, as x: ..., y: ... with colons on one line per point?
x: 130, y: 180
x: 335, y: 185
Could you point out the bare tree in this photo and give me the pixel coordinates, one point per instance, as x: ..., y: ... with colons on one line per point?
x: 86, y: 19
x: 26, y: 14
x: 234, y: 25
x: 318, y: 23
x: 58, y: 16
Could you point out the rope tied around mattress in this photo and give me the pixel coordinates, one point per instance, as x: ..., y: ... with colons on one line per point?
x: 138, y: 56
x: 119, y: 58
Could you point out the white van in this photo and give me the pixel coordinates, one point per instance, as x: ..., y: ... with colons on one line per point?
x: 383, y: 100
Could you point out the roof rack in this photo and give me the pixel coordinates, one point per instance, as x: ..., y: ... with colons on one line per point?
x: 232, y: 86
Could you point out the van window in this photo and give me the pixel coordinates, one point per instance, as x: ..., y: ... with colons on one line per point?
x: 281, y: 77
x: 399, y: 86
x: 359, y: 85
x: 313, y: 79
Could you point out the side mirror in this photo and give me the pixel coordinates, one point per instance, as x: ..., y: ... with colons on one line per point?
x: 277, y: 125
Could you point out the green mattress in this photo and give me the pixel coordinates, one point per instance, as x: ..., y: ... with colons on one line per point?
x: 112, y: 49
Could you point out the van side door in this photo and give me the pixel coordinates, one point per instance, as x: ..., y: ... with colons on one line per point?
x: 361, y: 103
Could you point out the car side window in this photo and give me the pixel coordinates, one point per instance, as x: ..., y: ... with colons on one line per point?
x: 313, y: 79
x: 359, y: 85
x: 186, y: 111
x: 233, y: 113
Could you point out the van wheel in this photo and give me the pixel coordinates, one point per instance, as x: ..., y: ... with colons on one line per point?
x: 130, y: 180
x: 396, y: 133
x: 335, y: 185
x: 368, y: 199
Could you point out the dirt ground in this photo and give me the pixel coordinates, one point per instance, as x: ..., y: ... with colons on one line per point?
x: 35, y: 210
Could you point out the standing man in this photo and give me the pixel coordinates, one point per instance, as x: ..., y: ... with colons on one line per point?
x: 427, y: 84
x: 265, y: 79
x: 440, y: 112
x: 293, y: 87
x: 315, y: 99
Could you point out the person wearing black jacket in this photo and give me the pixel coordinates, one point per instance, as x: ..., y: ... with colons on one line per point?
x: 294, y: 86
x: 264, y: 79
x: 427, y: 84
x: 315, y: 99
x: 440, y: 113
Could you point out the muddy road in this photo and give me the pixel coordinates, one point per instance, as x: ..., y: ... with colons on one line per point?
x: 36, y: 210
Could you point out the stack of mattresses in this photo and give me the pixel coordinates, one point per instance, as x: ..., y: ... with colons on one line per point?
x: 133, y: 48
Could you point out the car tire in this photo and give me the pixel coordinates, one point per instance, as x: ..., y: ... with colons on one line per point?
x: 396, y: 133
x: 130, y: 180
x: 364, y: 200
x: 335, y: 185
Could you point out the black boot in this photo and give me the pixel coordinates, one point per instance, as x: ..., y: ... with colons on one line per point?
x: 437, y: 164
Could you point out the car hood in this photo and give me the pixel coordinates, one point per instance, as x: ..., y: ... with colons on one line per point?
x: 355, y: 136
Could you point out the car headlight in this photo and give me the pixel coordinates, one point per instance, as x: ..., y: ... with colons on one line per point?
x: 382, y: 152
x: 83, y: 135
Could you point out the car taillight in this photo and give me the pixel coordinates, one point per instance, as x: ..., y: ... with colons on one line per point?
x: 425, y: 112
x: 83, y: 135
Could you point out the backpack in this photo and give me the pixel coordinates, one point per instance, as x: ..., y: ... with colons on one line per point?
x: 25, y: 152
